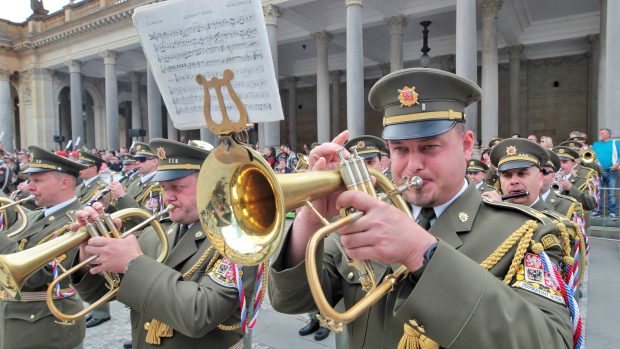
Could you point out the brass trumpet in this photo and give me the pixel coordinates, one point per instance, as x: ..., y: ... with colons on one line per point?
x: 588, y: 157
x: 242, y: 205
x: 17, y: 267
x: 23, y: 220
x: 302, y: 163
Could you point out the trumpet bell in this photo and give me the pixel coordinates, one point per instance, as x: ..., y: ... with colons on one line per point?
x: 242, y: 202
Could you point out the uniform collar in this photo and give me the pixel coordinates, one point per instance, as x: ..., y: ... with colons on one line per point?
x: 545, y: 195
x: 87, y: 182
x: 147, y: 177
x: 51, y: 210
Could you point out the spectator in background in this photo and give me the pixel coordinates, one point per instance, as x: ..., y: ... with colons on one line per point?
x: 607, y: 151
x: 533, y: 138
x: 270, y: 156
x: 289, y: 155
x: 282, y: 166
x: 546, y: 142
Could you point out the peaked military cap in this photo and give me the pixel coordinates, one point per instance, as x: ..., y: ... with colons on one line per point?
x: 42, y: 160
x: 578, y: 136
x: 367, y: 146
x: 566, y: 153
x: 89, y: 159
x: 176, y: 159
x: 554, y: 160
x: 128, y: 159
x: 421, y: 102
x: 575, y: 145
x: 143, y: 150
x: 475, y: 165
x: 514, y: 153
x: 493, y: 142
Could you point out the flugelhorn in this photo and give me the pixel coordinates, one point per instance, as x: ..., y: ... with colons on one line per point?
x: 22, y: 218
x: 242, y: 205
x: 107, y: 189
x: 15, y: 268
x: 588, y: 157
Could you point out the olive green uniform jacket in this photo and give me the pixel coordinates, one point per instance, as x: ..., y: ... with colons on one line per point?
x: 484, y: 187
x: 193, y: 308
x: 459, y: 304
x: 584, y: 197
x: 86, y: 192
x: 31, y: 324
x: 141, y: 195
x: 563, y: 204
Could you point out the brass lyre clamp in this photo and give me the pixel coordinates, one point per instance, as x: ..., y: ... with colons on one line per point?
x: 227, y: 126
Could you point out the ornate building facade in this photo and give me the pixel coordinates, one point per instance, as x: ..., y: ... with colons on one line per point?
x: 545, y: 68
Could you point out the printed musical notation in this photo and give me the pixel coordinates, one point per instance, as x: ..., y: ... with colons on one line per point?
x: 188, y: 37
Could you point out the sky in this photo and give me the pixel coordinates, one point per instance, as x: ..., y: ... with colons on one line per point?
x: 18, y: 10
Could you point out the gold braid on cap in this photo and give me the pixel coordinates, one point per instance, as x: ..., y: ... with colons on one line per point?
x: 431, y: 115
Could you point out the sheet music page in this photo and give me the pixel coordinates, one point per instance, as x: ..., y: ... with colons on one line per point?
x: 183, y: 38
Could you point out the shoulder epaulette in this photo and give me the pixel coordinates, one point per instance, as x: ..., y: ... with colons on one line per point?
x: 540, y: 217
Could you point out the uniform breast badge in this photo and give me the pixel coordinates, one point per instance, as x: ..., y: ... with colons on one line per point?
x: 463, y: 217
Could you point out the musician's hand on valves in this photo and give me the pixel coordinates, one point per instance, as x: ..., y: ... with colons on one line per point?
x: 492, y: 196
x: 323, y: 157
x: 117, y: 190
x: 384, y: 233
x: 566, y: 185
x: 114, y: 254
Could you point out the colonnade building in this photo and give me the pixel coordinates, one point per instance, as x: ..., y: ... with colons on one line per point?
x: 545, y: 67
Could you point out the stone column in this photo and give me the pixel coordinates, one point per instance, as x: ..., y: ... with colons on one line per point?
x: 111, y: 99
x: 77, y: 116
x: 291, y: 114
x: 515, y: 93
x: 5, y: 110
x: 136, y: 107
x: 608, y: 116
x: 594, y: 56
x: 89, y: 111
x: 396, y: 25
x: 490, y: 97
x: 336, y: 77
x: 270, y: 133
x: 524, y: 117
x: 173, y: 133
x: 467, y: 54
x: 154, y: 106
x: 322, y: 86
x: 355, y: 69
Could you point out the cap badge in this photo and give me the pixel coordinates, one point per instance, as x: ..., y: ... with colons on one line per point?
x: 463, y: 217
x: 161, y: 153
x: 561, y: 151
x: 407, y: 96
x: 138, y: 147
x: 31, y: 157
x: 471, y: 163
x: 511, y: 150
x: 361, y: 144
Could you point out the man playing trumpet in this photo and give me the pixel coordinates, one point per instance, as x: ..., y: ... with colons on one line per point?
x: 192, y: 299
x: 27, y: 322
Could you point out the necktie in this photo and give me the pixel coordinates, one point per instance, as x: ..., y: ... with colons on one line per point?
x: 180, y: 232
x: 427, y: 214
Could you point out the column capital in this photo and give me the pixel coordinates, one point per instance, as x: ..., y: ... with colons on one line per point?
x: 348, y: 3
x: 272, y: 13
x: 515, y: 51
x: 396, y: 24
x: 109, y: 57
x: 74, y: 66
x: 490, y: 7
x: 321, y: 38
x: 594, y: 40
x: 5, y: 75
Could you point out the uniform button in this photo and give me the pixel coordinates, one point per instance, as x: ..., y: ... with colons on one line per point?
x: 31, y: 316
x: 350, y: 275
x: 51, y: 218
x: 147, y: 325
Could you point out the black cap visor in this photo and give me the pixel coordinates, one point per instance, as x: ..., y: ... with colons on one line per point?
x: 419, y: 129
x: 168, y: 175
x: 511, y: 165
